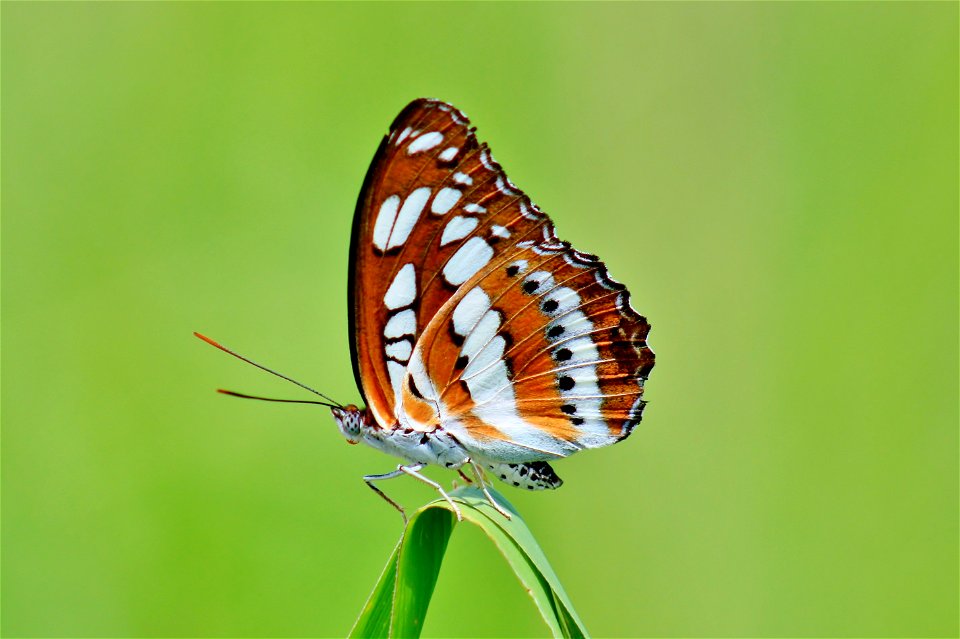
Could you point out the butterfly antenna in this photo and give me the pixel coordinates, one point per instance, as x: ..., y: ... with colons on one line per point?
x: 263, y: 368
x: 273, y: 399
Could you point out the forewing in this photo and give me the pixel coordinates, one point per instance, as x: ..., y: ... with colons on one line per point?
x: 434, y: 210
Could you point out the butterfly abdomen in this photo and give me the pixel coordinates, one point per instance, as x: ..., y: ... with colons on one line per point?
x: 529, y: 476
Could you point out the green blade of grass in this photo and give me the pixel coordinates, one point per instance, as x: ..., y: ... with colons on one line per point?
x: 399, y: 601
x: 421, y: 553
x: 374, y: 619
x: 398, y: 604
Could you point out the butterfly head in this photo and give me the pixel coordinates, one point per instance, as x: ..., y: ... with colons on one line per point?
x: 350, y: 420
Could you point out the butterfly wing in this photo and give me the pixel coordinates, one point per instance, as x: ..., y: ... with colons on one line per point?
x: 470, y: 314
x: 538, y: 355
x: 423, y: 196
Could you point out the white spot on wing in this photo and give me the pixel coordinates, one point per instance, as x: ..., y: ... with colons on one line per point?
x: 408, y: 216
x: 500, y: 231
x: 582, y: 349
x: 462, y: 178
x: 469, y: 258
x: 573, y: 323
x: 399, y: 350
x: 400, y: 324
x: 425, y: 142
x: 449, y: 153
x: 474, y: 208
x: 484, y: 348
x: 403, y: 289
x: 529, y: 213
x: 457, y: 229
x: 403, y: 136
x: 543, y: 279
x: 385, y: 219
x: 478, y: 337
x: 486, y: 158
x: 488, y: 372
x: 445, y: 199
x: 521, y: 266
x: 567, y: 299
x: 469, y: 310
x: 505, y: 186
x: 396, y: 371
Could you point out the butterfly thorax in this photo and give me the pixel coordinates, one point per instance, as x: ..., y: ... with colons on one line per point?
x: 436, y: 447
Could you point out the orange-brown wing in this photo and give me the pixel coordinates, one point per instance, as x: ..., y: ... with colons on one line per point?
x: 523, y: 347
x: 434, y: 209
x: 539, y: 355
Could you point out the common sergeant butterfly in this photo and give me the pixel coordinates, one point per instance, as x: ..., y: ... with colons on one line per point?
x: 478, y: 338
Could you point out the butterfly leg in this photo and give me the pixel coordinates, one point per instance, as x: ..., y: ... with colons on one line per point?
x: 413, y: 471
x: 369, y: 479
x: 478, y: 473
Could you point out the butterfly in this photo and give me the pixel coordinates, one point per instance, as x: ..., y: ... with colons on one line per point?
x: 479, y: 340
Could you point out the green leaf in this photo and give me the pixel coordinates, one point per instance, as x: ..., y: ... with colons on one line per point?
x: 398, y: 605
x: 374, y: 619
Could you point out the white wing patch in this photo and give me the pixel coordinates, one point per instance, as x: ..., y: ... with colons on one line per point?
x: 445, y: 200
x: 425, y: 142
x: 403, y: 136
x: 385, y: 220
x: 403, y: 289
x: 469, y: 310
x: 399, y: 351
x: 500, y: 231
x: 457, y: 229
x: 469, y: 258
x: 407, y: 217
x: 400, y: 324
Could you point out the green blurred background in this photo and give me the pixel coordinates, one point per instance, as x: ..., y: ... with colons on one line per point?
x: 777, y: 184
